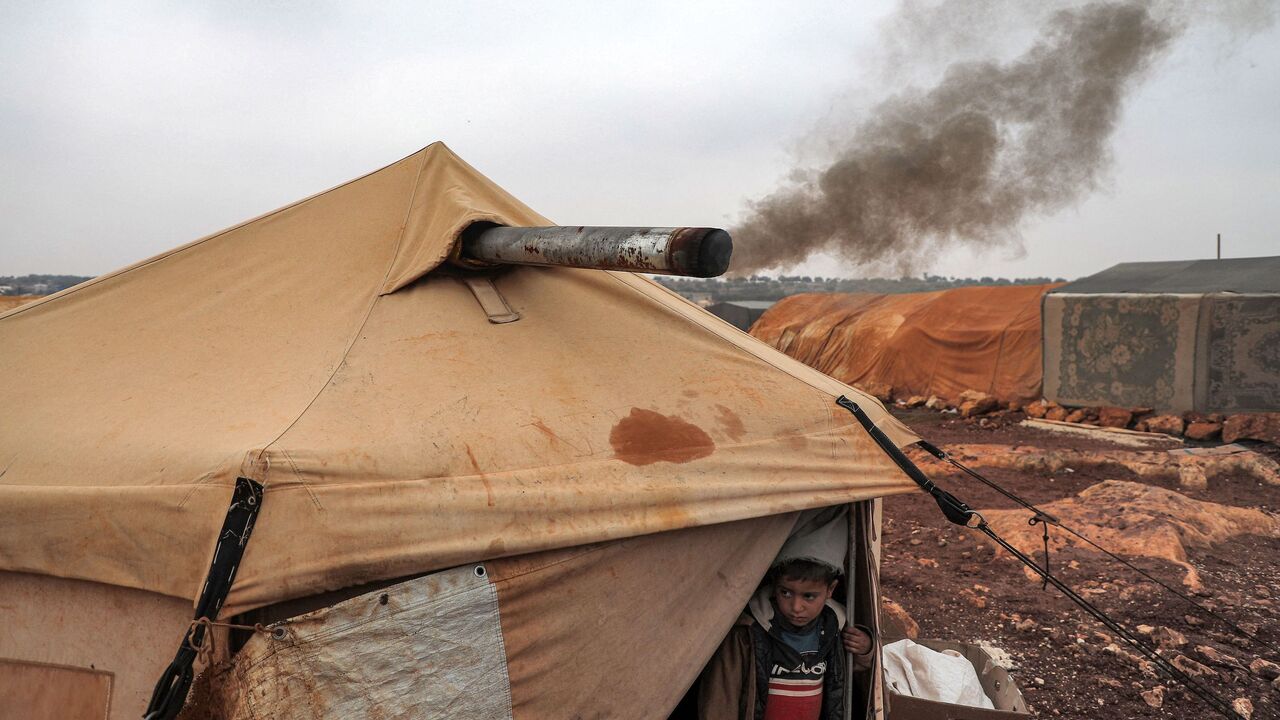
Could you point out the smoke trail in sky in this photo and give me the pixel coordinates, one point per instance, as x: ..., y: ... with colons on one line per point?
x: 967, y: 160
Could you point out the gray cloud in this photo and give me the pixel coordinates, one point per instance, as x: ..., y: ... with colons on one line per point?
x: 131, y: 127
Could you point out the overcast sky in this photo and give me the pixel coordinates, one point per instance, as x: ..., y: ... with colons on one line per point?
x: 132, y: 127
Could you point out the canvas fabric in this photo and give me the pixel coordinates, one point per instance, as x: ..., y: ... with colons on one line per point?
x: 58, y: 637
x: 321, y: 350
x: 934, y: 343
x: 32, y: 691
x: 622, y: 629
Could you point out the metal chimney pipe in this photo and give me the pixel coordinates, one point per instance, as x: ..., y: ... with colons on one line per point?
x: 696, y: 252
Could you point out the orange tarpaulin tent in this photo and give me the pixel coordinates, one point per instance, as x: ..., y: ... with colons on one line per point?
x: 935, y: 343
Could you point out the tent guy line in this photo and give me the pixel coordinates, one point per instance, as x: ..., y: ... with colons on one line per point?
x: 959, y: 513
x: 1047, y: 519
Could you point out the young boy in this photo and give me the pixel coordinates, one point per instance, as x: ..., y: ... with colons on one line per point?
x: 785, y: 657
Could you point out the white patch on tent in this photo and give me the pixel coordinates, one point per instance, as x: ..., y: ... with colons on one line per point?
x: 428, y: 647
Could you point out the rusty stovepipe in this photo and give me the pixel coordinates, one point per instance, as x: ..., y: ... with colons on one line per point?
x: 696, y: 252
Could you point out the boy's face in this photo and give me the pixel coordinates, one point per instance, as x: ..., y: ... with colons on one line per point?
x: 800, y: 601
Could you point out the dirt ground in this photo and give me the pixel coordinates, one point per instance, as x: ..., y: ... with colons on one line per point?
x: 952, y: 583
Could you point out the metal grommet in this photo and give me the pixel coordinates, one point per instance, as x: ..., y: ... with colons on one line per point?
x: 279, y: 633
x: 480, y: 571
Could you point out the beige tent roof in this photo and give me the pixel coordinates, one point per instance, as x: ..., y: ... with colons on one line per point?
x: 396, y: 430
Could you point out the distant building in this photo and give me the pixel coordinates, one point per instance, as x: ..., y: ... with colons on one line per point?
x: 740, y: 313
x: 1188, y: 335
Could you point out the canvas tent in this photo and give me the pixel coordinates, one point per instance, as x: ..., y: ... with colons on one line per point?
x: 933, y: 343
x: 1198, y: 335
x: 607, y: 475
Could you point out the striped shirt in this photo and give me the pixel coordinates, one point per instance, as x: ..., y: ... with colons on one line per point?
x: 795, y: 692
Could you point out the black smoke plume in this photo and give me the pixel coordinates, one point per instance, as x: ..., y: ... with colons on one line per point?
x: 967, y: 160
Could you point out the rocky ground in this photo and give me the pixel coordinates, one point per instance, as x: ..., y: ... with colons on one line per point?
x: 954, y: 585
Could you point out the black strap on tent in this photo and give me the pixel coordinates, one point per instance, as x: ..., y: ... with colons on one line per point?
x: 959, y: 513
x: 951, y: 506
x: 1041, y: 515
x: 171, y: 689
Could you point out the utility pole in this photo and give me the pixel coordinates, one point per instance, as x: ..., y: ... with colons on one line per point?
x: 1219, y: 246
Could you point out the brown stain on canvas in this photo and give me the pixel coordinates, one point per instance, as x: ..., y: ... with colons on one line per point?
x: 731, y: 423
x: 495, y: 549
x: 488, y: 488
x: 556, y: 441
x: 645, y: 437
x: 542, y: 427
x: 673, y: 517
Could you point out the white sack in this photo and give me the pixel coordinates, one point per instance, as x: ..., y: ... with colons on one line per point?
x: 920, y: 672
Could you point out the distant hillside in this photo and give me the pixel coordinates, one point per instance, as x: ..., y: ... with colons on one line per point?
x: 37, y: 284
x: 767, y: 288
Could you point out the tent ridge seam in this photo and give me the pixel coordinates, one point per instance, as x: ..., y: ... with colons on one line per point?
x: 209, y: 477
x: 355, y: 336
x: 302, y: 481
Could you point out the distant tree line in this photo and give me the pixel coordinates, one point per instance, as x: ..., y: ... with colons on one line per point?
x: 762, y: 287
x: 37, y: 284
x: 756, y: 287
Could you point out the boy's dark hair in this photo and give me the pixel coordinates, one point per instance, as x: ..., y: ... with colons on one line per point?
x: 803, y: 570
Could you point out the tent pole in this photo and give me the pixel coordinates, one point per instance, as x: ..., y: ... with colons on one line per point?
x: 850, y: 602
